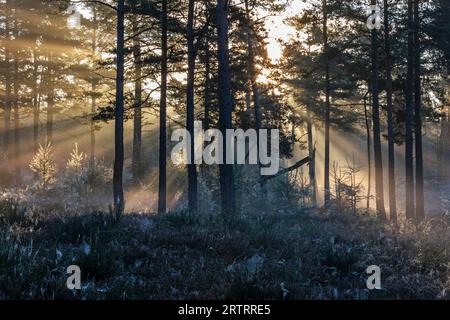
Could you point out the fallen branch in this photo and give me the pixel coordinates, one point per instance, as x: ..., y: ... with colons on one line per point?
x: 286, y: 170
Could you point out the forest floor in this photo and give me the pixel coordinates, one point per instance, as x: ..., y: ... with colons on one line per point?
x: 301, y: 254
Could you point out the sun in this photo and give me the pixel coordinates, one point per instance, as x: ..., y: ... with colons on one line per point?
x: 278, y: 30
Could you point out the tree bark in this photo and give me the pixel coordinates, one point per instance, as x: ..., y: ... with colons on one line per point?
x: 420, y: 204
x: 379, y: 188
x: 162, y: 194
x: 327, y: 191
x: 255, y: 90
x: 207, y: 116
x: 92, y: 122
x: 252, y: 70
x: 312, y: 164
x: 50, y: 99
x: 137, y: 121
x: 225, y: 105
x: 36, y: 102
x: 7, y: 96
x: 443, y: 143
x: 93, y: 87
x: 192, y: 167
x: 207, y: 84
x: 390, y: 121
x: 369, y: 153
x: 16, y: 99
x: 409, y: 167
x: 119, y: 201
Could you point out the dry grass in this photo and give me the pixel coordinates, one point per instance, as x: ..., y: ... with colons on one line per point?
x: 289, y: 255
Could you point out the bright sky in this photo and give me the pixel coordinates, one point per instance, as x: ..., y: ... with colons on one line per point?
x: 279, y: 30
x: 276, y: 27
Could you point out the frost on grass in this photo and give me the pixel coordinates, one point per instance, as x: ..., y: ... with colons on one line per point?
x: 297, y: 254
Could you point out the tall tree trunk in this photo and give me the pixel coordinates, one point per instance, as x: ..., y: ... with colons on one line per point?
x: 327, y: 191
x: 207, y: 84
x: 391, y: 150
x: 137, y: 128
x: 420, y: 205
x: 50, y: 100
x: 7, y: 102
x: 255, y: 90
x: 119, y: 201
x: 162, y: 206
x: 92, y: 122
x: 409, y: 167
x: 207, y: 102
x: 16, y: 98
x: 312, y: 162
x: 369, y: 152
x: 36, y: 102
x: 225, y: 103
x: 192, y: 167
x: 248, y: 97
x: 93, y: 86
x: 443, y: 143
x: 379, y: 189
x: 252, y: 69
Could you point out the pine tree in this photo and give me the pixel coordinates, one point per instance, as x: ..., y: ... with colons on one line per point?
x: 379, y: 188
x: 162, y: 196
x: 388, y: 61
x: 44, y: 165
x: 410, y: 212
x: 227, y: 187
x: 119, y: 201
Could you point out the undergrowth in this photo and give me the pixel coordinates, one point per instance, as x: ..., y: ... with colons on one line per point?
x: 296, y: 254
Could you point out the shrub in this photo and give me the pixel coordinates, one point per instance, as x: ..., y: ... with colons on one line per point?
x: 83, y: 180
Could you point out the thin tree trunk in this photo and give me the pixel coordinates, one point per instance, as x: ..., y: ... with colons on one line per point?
x: 7, y: 102
x: 192, y: 168
x: 119, y: 201
x: 137, y: 128
x: 420, y: 205
x: 248, y: 97
x: 327, y: 191
x: 207, y: 117
x: 16, y: 100
x: 255, y: 90
x: 50, y: 100
x: 443, y: 144
x: 162, y: 205
x: 409, y: 167
x: 225, y: 104
x: 369, y: 152
x: 252, y: 71
x: 93, y: 88
x: 391, y: 150
x: 379, y: 188
x: 36, y: 103
x: 207, y: 101
x: 312, y: 156
x: 92, y: 122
